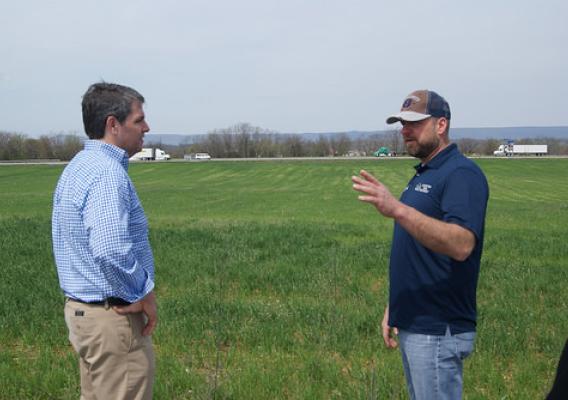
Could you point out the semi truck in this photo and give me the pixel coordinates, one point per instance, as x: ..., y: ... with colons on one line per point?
x: 150, y: 153
x: 521, y: 149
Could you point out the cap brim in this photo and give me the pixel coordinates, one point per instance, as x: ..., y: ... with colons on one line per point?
x: 409, y: 116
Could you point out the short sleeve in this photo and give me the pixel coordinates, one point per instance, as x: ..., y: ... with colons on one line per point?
x: 465, y: 199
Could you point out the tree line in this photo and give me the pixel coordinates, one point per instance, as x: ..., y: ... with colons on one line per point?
x: 247, y: 141
x: 17, y: 146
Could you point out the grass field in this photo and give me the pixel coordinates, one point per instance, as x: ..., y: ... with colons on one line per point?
x: 272, y: 278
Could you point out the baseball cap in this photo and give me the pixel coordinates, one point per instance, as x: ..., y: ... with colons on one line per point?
x: 421, y: 104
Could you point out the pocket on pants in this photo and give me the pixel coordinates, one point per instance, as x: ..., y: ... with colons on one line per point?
x: 138, y: 322
x: 81, y: 325
x: 94, y: 330
x: 465, y: 343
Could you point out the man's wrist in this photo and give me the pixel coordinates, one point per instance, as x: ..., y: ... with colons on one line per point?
x: 400, y: 212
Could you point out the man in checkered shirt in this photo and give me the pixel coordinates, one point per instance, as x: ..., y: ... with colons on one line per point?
x: 102, y: 252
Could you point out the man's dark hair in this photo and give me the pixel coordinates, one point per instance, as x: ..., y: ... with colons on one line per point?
x: 102, y: 100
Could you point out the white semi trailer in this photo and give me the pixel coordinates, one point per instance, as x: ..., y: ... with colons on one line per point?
x: 521, y: 150
x: 151, y: 153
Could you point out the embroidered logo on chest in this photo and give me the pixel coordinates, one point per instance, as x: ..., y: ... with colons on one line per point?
x: 422, y: 187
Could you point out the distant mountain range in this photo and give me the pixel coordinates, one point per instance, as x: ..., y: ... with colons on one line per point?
x: 514, y: 133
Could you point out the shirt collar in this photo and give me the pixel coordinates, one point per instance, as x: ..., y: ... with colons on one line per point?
x: 438, y: 159
x: 112, y: 151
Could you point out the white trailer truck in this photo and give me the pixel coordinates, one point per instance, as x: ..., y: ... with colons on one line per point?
x: 150, y: 153
x: 521, y: 150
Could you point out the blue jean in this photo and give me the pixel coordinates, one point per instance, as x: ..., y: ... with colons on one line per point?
x: 433, y: 364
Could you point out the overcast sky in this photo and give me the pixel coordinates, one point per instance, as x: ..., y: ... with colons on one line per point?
x: 289, y: 65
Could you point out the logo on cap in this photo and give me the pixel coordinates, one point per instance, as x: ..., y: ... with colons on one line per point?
x: 408, y: 102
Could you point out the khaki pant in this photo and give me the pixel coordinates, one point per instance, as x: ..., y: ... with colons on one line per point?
x: 115, y: 360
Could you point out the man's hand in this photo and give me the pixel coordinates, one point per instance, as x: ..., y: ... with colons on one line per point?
x: 376, y: 194
x: 388, y: 332
x: 147, y: 306
x: 439, y: 236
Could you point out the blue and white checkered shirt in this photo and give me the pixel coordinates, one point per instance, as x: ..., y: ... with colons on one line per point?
x: 100, y: 232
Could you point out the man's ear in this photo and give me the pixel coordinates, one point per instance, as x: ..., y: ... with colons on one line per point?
x: 111, y: 125
x: 441, y: 125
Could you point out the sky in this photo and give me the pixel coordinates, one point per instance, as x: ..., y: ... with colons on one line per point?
x: 290, y: 66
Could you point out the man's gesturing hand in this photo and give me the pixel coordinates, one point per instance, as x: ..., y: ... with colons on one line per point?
x: 377, y: 194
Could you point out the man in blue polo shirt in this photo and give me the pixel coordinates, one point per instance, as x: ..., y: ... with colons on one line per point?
x: 436, y: 250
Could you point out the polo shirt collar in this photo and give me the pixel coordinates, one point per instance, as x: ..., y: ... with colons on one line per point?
x: 112, y: 151
x: 439, y: 158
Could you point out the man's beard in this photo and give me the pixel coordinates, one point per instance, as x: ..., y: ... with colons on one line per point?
x: 423, y: 150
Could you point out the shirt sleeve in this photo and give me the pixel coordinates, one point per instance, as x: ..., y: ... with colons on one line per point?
x: 107, y: 214
x: 465, y: 200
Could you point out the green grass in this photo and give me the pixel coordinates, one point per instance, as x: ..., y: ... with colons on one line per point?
x: 272, y: 279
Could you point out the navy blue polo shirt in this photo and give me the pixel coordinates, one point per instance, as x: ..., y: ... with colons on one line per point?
x: 429, y: 290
